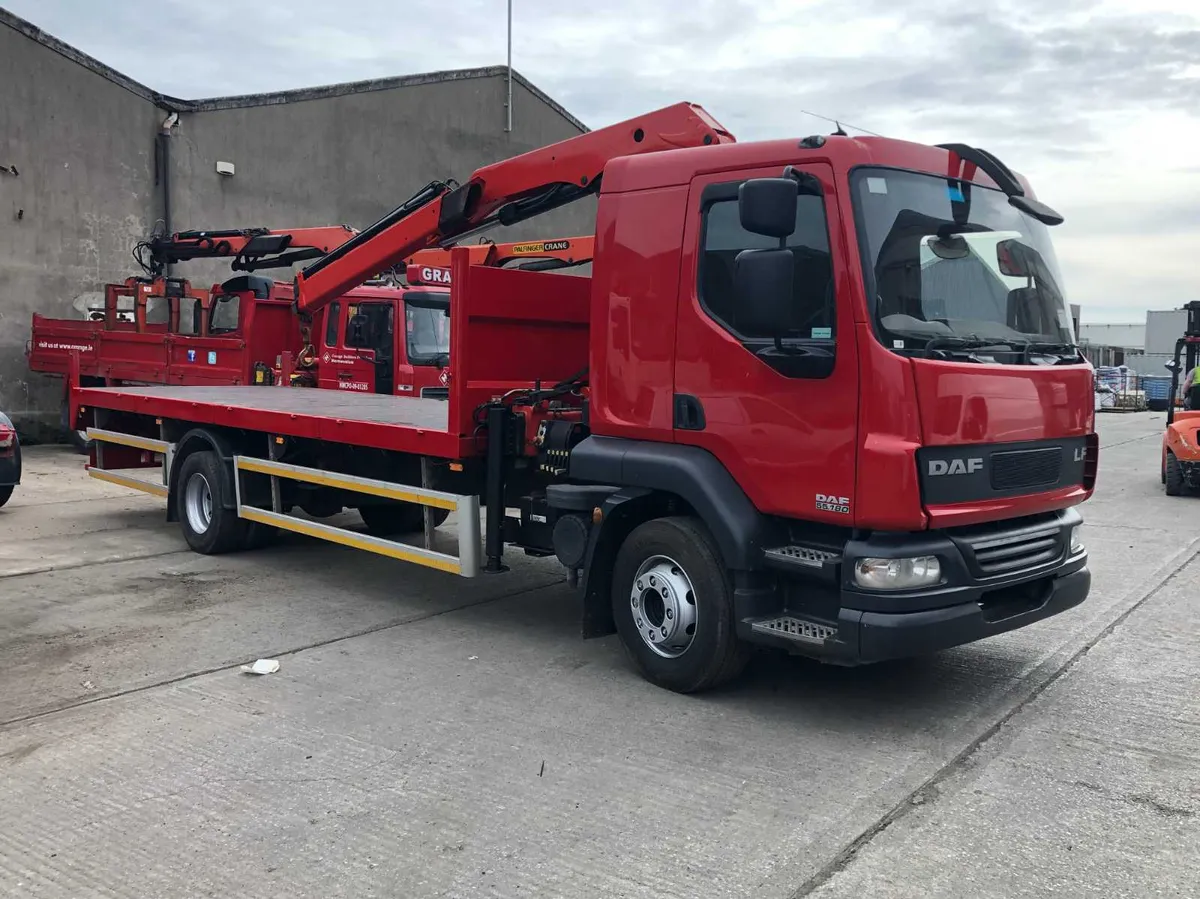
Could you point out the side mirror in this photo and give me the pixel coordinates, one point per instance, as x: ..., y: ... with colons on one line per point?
x: 1011, y: 257
x: 952, y: 247
x: 767, y: 206
x: 1037, y: 210
x: 762, y: 281
x: 358, y: 325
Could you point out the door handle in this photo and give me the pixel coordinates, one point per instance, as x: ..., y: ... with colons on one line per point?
x: 689, y: 413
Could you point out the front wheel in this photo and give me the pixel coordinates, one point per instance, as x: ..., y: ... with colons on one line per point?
x: 208, y: 527
x: 673, y: 606
x: 1173, y: 477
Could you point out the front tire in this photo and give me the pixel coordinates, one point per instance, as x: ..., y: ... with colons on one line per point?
x: 673, y: 607
x: 1176, y: 486
x: 208, y: 527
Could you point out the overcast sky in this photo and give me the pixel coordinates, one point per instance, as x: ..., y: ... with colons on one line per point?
x: 1096, y: 101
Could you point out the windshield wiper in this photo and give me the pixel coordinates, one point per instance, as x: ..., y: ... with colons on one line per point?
x: 943, y: 344
x: 1062, y: 350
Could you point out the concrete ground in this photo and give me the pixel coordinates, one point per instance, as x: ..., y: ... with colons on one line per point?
x: 427, y: 736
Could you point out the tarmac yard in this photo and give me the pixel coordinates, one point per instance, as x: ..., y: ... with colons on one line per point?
x: 432, y: 736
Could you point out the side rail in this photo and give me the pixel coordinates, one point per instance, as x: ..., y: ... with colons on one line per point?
x: 465, y: 563
x: 121, y: 459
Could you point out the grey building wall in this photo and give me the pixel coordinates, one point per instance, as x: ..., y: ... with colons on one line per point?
x: 1163, y: 328
x: 352, y: 153
x: 1130, y: 336
x: 83, y: 140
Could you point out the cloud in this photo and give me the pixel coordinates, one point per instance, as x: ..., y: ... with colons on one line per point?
x: 1097, y: 101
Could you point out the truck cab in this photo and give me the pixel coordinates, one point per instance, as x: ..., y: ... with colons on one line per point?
x: 387, y: 340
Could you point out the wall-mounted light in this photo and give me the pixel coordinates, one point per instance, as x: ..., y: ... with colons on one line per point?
x: 224, y: 168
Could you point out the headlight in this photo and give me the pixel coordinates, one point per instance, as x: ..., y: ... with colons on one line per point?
x: 1076, y: 540
x: 898, y: 574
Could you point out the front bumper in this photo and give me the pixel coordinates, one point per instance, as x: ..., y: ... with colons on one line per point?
x: 876, y: 636
x: 998, y: 578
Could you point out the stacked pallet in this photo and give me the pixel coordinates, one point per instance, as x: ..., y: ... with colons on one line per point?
x: 1119, y: 390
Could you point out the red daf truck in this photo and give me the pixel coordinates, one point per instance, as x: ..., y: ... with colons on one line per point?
x: 796, y: 403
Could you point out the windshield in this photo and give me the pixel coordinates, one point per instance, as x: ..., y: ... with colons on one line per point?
x: 224, y: 319
x: 951, y: 265
x: 428, y: 334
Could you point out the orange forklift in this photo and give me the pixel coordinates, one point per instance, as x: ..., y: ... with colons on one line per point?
x: 1181, y: 439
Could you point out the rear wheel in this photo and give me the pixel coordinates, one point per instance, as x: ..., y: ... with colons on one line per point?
x: 673, y: 606
x: 1176, y: 486
x: 398, y: 518
x: 5, y: 494
x: 77, y: 439
x: 207, y: 525
x: 258, y: 535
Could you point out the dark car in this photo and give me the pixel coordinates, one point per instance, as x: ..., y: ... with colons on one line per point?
x: 10, y: 458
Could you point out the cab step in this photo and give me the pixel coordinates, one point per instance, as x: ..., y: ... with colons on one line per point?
x: 809, y: 561
x: 801, y: 630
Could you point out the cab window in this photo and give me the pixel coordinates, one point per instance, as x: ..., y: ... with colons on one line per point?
x: 332, y: 317
x: 724, y: 237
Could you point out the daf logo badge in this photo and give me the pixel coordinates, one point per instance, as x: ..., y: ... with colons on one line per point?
x: 939, y: 467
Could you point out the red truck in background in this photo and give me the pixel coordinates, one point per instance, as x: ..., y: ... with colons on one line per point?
x: 160, y: 330
x: 799, y: 401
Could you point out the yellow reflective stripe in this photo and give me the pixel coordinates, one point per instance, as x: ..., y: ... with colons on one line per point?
x: 125, y: 480
x: 144, y: 443
x: 347, y: 538
x: 324, y: 479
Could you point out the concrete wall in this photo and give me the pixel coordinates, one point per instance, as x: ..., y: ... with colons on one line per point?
x: 82, y: 138
x: 83, y: 147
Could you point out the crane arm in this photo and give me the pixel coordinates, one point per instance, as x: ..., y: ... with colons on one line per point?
x: 503, y: 193
x: 251, y: 248
x: 433, y: 266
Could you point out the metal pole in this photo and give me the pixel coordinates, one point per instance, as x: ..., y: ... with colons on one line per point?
x: 508, y: 105
x: 497, y: 465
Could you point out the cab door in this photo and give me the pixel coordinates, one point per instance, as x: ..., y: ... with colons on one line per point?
x: 780, y: 417
x: 362, y: 359
x: 423, y: 345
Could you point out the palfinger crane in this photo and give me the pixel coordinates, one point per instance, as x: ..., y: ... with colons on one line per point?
x: 433, y: 266
x: 251, y: 248
x: 503, y: 193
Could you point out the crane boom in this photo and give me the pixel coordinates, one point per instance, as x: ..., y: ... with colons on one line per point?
x: 251, y: 248
x: 503, y: 193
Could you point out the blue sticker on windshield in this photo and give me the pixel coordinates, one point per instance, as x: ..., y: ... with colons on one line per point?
x: 955, y: 194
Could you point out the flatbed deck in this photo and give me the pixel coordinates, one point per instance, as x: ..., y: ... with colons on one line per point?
x: 406, y: 424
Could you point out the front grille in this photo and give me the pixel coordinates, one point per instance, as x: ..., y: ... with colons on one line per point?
x: 1012, y: 547
x: 1026, y: 468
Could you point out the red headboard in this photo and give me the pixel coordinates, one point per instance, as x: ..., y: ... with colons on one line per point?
x: 508, y: 329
